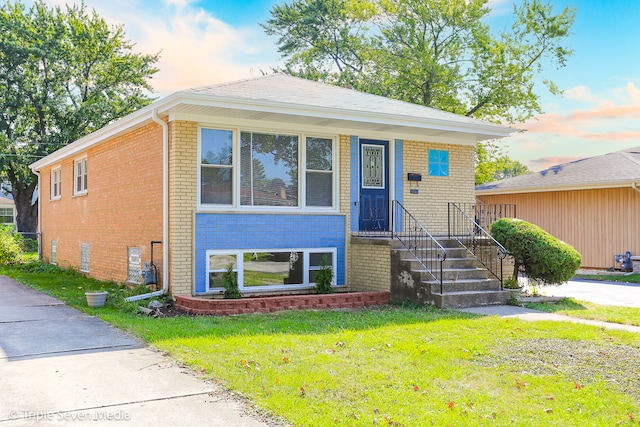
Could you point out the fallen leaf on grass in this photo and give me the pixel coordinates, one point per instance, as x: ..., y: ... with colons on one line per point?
x: 579, y: 386
x: 416, y: 388
x: 451, y: 405
x: 302, y: 391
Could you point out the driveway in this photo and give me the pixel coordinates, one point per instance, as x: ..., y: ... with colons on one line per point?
x: 605, y: 293
x: 59, y: 366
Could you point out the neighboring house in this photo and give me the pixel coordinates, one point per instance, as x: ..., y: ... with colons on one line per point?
x: 593, y: 204
x: 265, y: 175
x: 7, y: 211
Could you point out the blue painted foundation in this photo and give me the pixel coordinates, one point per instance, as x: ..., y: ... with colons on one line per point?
x: 248, y: 231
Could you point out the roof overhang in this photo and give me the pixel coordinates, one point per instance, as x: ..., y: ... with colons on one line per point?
x: 203, y: 107
x: 575, y: 187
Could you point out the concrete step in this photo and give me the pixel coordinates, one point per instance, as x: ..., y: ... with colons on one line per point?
x: 465, y: 285
x: 470, y: 298
x: 457, y: 274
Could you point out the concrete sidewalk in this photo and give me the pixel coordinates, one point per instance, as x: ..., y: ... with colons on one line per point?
x: 510, y: 311
x: 59, y: 366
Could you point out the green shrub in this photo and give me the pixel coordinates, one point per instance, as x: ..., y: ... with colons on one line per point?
x: 10, y: 246
x: 544, y: 259
x: 230, y: 279
x: 324, y: 277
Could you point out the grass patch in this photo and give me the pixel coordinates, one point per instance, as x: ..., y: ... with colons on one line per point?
x: 589, y: 310
x: 400, y: 366
x: 630, y: 278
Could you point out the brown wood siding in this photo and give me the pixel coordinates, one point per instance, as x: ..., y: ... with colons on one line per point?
x: 598, y: 223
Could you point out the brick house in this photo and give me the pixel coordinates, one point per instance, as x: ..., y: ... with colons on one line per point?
x: 269, y: 175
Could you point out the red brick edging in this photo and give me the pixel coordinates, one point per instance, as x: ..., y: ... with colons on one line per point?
x: 269, y: 304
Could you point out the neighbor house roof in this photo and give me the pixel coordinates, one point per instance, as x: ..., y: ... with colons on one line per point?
x: 284, y: 102
x: 6, y: 200
x: 612, y: 170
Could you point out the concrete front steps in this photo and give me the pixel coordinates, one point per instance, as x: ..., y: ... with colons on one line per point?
x: 466, y: 282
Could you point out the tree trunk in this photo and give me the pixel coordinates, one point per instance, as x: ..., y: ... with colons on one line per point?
x: 26, y: 212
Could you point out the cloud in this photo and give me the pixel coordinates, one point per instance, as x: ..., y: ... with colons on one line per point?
x: 547, y: 162
x: 196, y: 48
x: 580, y: 93
x: 606, y: 121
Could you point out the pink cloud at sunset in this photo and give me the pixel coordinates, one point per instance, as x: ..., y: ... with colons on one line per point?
x: 547, y: 162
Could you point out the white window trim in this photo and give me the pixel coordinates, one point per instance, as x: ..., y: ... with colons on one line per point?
x: 56, y: 171
x: 239, y: 254
x: 84, y: 190
x: 302, y: 169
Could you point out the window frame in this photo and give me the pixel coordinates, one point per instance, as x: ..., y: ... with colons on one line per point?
x: 441, y: 165
x: 81, y: 174
x: 85, y: 254
x: 239, y: 254
x: 56, y: 183
x: 302, y: 171
x: 11, y: 213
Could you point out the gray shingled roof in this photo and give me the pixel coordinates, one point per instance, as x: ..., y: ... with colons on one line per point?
x: 616, y: 169
x: 282, y: 88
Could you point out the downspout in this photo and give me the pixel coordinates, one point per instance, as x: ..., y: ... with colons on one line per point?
x: 39, y: 226
x: 635, y: 187
x: 165, y: 211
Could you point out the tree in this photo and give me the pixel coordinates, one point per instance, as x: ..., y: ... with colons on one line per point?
x: 63, y: 74
x: 437, y: 53
x: 493, y: 165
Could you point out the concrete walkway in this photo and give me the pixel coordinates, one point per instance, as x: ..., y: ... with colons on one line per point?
x: 510, y: 311
x: 59, y: 366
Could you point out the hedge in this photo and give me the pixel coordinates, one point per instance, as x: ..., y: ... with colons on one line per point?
x: 544, y: 258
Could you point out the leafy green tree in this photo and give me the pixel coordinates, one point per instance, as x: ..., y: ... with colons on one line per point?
x: 493, y: 165
x: 64, y: 73
x: 439, y: 53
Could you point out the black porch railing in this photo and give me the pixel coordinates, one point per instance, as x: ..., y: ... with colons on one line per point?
x: 391, y: 219
x: 485, y: 214
x: 470, y: 234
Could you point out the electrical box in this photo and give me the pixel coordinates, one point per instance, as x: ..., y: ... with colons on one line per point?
x: 414, y: 177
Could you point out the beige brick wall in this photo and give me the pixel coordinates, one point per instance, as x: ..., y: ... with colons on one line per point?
x: 371, y: 266
x: 122, y: 207
x: 429, y: 206
x: 183, y: 179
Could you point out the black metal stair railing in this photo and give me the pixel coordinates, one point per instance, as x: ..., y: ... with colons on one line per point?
x: 420, y: 243
x: 390, y: 219
x: 470, y: 234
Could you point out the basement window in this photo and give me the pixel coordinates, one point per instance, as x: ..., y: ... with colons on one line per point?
x: 84, y: 257
x: 54, y: 252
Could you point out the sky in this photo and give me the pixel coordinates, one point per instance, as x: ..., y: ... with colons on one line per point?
x: 203, y: 42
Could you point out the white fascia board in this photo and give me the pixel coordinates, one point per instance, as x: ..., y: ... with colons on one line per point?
x: 575, y: 187
x: 475, y: 127
x: 116, y: 128
x: 481, y: 130
x: 271, y: 126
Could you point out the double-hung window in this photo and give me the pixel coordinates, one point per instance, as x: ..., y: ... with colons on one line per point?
x: 55, y: 184
x: 245, y: 169
x: 80, y: 176
x: 216, y: 167
x: 319, y: 191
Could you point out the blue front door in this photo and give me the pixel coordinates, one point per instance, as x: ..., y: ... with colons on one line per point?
x: 374, y: 185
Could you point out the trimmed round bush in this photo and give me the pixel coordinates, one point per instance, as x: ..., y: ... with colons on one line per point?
x: 544, y: 258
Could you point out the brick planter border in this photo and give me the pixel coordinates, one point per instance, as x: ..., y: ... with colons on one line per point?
x: 270, y: 304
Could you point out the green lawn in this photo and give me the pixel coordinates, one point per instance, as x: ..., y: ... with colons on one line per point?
x: 589, y: 310
x: 626, y: 278
x: 397, y: 366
